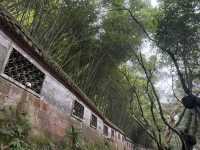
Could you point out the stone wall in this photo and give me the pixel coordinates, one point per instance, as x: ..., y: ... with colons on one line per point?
x: 49, y: 111
x: 44, y: 117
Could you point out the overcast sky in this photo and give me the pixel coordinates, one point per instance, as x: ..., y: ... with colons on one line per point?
x: 154, y: 3
x: 164, y: 83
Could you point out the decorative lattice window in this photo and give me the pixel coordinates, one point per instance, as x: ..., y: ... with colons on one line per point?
x: 113, y: 133
x: 23, y: 71
x: 93, y: 121
x: 105, y: 130
x: 78, y: 110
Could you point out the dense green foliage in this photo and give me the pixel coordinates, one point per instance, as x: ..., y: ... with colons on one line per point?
x: 178, y: 38
x: 90, y: 43
x: 178, y: 35
x: 98, y: 44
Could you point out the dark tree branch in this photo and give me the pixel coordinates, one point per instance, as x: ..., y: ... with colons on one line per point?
x: 180, y: 118
x: 148, y: 132
x: 173, y: 89
x: 152, y: 113
x: 141, y: 62
x: 141, y: 26
x: 142, y: 113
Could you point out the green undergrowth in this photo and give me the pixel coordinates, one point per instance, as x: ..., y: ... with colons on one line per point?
x: 15, y: 134
x: 13, y: 129
x: 76, y: 141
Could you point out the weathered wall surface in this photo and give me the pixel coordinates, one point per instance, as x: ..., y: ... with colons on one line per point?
x: 44, y: 117
x: 56, y: 94
x: 50, y: 112
x: 3, y: 54
x: 4, y: 46
x: 100, y: 125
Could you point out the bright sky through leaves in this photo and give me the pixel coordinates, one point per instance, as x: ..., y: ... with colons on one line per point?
x: 154, y: 3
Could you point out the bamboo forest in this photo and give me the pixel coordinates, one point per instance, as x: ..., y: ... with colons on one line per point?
x: 99, y: 75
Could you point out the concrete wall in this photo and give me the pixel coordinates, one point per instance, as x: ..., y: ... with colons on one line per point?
x: 100, y: 125
x: 5, y: 44
x: 50, y: 111
x: 56, y: 94
x: 44, y: 116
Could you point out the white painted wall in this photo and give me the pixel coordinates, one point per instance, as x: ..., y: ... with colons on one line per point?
x: 4, y: 40
x: 87, y: 115
x: 5, y: 44
x: 100, y: 126
x: 109, y: 132
x: 56, y: 94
